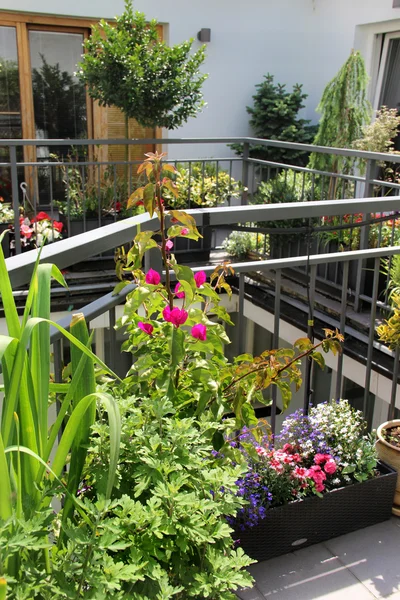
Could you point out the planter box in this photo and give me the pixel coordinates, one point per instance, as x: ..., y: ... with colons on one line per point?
x: 313, y: 520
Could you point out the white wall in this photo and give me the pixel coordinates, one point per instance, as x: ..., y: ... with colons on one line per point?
x: 299, y: 41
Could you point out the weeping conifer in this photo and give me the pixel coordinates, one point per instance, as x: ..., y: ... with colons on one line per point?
x: 345, y: 110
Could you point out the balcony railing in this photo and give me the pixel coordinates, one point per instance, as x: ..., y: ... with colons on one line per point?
x: 85, y: 184
x: 251, y: 277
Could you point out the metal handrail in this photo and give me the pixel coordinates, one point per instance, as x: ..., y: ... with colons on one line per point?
x: 375, y: 156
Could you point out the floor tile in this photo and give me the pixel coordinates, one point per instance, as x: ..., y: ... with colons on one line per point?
x: 372, y: 555
x: 307, y: 574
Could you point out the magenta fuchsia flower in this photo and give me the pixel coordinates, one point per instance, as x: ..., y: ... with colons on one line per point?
x: 199, y: 332
x: 177, y: 293
x: 200, y: 277
x: 176, y: 316
x: 153, y: 277
x: 169, y: 245
x: 146, y: 327
x: 184, y: 231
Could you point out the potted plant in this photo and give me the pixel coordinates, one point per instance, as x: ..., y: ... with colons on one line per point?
x: 36, y: 231
x: 245, y: 244
x: 387, y: 444
x: 320, y: 479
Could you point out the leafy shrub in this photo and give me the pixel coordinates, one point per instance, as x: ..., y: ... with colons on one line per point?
x: 202, y: 185
x: 239, y: 243
x: 288, y: 186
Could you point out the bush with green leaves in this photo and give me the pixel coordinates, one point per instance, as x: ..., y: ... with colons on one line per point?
x: 288, y: 186
x: 126, y: 65
x: 239, y: 243
x: 202, y: 185
x: 275, y: 116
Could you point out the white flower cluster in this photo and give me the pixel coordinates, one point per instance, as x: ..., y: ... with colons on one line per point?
x: 6, y: 212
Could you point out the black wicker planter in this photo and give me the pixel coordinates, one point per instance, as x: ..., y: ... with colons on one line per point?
x: 313, y: 520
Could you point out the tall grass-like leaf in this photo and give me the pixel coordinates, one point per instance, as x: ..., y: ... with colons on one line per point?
x: 10, y: 310
x: 86, y: 386
x: 5, y: 492
x: 72, y: 426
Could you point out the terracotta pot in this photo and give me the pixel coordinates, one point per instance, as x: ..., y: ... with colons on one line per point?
x: 391, y: 455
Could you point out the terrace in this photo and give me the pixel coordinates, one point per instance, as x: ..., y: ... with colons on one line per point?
x: 286, y: 290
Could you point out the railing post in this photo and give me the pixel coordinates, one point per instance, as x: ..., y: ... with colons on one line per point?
x: 153, y: 260
x: 15, y: 198
x: 370, y: 174
x: 241, y: 325
x: 245, y: 171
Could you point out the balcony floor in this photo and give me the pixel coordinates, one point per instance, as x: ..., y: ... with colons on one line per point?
x: 361, y: 566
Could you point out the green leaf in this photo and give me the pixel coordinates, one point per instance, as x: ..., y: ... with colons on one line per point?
x: 349, y: 469
x: 303, y: 344
x: 119, y: 287
x: 286, y: 392
x: 319, y: 359
x: 218, y: 440
x: 176, y: 231
x: 149, y: 199
x: 183, y: 218
x: 177, y: 347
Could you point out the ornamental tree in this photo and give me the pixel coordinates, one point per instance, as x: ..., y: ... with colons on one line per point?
x: 345, y: 110
x: 126, y: 65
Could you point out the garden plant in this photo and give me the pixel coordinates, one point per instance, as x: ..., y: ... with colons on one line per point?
x: 153, y: 474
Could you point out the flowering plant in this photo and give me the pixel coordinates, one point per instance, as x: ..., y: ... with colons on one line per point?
x: 6, y: 212
x: 381, y: 233
x: 313, y: 454
x: 39, y: 230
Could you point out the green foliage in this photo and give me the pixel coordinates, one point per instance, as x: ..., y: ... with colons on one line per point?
x: 345, y: 110
x: 379, y: 135
x: 88, y: 194
x: 172, y: 497
x: 239, y: 243
x: 287, y: 186
x: 202, y: 185
x: 389, y: 330
x: 391, y: 268
x: 274, y: 116
x: 125, y: 65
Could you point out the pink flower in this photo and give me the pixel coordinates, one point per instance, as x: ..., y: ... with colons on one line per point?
x: 146, y: 327
x: 300, y: 472
x: 169, y: 245
x: 26, y: 231
x: 319, y: 459
x: 288, y: 448
x: 177, y: 293
x: 184, y: 231
x: 200, y: 277
x: 153, y: 277
x: 199, y: 332
x: 330, y: 466
x: 261, y: 451
x: 296, y: 457
x: 319, y: 487
x: 176, y: 316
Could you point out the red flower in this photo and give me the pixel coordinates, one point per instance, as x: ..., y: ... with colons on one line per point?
x: 41, y: 216
x: 176, y: 316
x: 152, y: 277
x: 330, y: 467
x: 118, y: 206
x: 58, y: 226
x: 200, y: 277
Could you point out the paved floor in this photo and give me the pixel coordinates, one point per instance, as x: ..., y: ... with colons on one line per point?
x: 359, y: 566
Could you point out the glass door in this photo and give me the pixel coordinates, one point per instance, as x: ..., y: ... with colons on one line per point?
x: 59, y: 101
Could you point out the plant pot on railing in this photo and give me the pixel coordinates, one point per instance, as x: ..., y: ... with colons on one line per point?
x: 388, y: 435
x: 313, y: 520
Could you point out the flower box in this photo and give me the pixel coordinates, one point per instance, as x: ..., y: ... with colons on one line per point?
x: 313, y: 520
